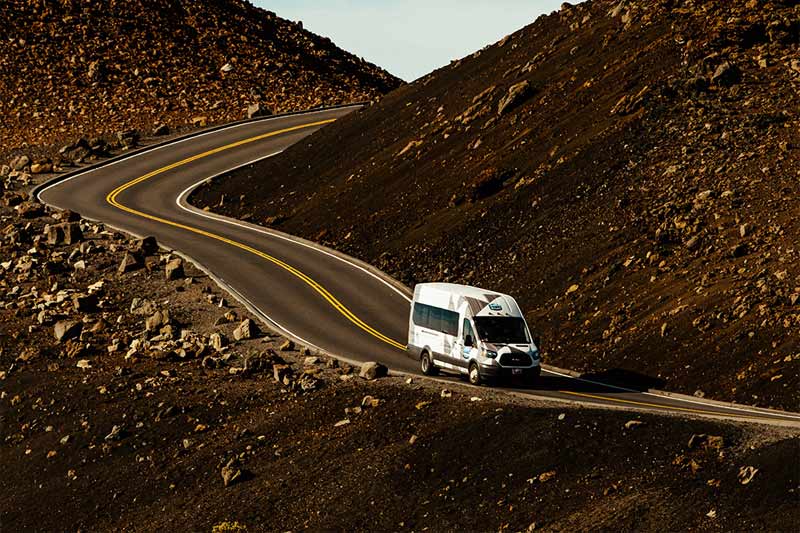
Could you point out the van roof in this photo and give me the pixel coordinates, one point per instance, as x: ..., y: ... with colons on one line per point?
x: 459, y: 290
x: 481, y: 302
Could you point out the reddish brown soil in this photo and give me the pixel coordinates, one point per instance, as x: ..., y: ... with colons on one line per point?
x: 639, y: 197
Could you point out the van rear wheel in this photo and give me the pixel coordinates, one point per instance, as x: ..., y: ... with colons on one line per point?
x: 426, y: 365
x: 474, y: 374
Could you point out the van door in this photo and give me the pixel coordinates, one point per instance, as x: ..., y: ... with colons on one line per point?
x: 461, y: 352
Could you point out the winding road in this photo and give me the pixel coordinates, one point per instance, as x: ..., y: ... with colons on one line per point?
x: 317, y: 296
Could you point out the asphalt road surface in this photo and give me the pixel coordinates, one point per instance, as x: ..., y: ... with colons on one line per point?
x: 312, y: 294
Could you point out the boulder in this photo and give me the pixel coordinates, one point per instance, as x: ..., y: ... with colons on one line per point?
x: 373, y: 370
x: 287, y: 346
x: 199, y: 122
x: 258, y: 110
x: 160, y: 129
x: 72, y: 232
x: 128, y: 138
x: 516, y: 94
x: 129, y: 263
x: 146, y: 246
x: 247, y: 329
x: 231, y: 472
x: 726, y: 74
x: 41, y: 168
x: 142, y: 307
x: 19, y: 163
x: 67, y: 329
x: 30, y: 210
x: 84, y: 303
x: 174, y: 269
x: 157, y: 320
x: 218, y: 341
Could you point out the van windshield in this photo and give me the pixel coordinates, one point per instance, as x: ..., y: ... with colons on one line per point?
x: 501, y: 330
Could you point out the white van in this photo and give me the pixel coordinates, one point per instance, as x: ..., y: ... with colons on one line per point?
x: 475, y: 332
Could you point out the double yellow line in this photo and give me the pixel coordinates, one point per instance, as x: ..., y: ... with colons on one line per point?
x: 111, y: 198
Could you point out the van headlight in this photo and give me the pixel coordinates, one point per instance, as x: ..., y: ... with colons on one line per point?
x: 491, y: 354
x: 536, y: 355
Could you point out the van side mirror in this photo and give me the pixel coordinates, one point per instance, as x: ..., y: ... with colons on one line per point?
x: 468, y: 341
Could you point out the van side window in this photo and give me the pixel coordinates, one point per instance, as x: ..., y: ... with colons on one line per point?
x: 436, y: 318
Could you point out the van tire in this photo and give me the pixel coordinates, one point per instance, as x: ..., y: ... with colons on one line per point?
x: 426, y: 365
x: 474, y: 374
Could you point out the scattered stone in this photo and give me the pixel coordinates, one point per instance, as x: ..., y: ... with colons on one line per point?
x: 67, y: 329
x: 630, y: 424
x: 287, y: 346
x: 146, y: 246
x: 258, y: 110
x: 373, y: 370
x: 746, y: 474
x: 546, y: 476
x: 174, y: 269
x: 231, y: 472
x: 84, y: 363
x: 157, y: 320
x: 516, y: 94
x: 160, y: 130
x: 84, y: 303
x: 217, y: 341
x: 341, y: 423
x: 129, y: 263
x: 30, y: 210
x: 369, y: 401
x: 446, y: 393
x: 117, y: 433
x: 740, y: 250
x: 726, y: 75
x: 41, y: 168
x: 247, y: 329
x: 20, y: 162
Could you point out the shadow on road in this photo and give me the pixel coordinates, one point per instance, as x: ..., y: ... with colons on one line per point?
x: 602, y: 382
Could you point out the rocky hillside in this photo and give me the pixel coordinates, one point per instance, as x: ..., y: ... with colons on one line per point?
x: 118, y: 362
x: 629, y: 169
x: 79, y: 68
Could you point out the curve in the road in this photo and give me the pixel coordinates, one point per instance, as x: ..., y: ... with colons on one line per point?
x: 316, y: 295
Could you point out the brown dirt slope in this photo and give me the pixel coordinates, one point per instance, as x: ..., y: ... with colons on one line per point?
x: 79, y: 68
x: 159, y: 391
x: 629, y: 169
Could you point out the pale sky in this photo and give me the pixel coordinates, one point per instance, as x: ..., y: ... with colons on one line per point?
x: 410, y: 38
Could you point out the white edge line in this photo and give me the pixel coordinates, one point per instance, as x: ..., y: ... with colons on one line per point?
x: 184, y: 205
x: 715, y: 405
x: 180, y: 201
x: 170, y: 144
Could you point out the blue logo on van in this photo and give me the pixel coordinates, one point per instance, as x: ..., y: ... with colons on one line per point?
x: 495, y: 307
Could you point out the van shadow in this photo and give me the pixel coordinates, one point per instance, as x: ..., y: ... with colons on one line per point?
x: 609, y: 381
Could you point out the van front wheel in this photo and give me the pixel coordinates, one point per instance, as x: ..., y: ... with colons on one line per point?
x: 474, y: 374
x: 426, y: 365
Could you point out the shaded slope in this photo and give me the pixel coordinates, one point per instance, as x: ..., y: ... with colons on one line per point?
x: 639, y: 194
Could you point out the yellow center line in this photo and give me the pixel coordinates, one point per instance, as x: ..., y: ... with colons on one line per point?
x: 111, y: 198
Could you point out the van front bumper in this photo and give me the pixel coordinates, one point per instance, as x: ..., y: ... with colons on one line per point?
x: 501, y: 372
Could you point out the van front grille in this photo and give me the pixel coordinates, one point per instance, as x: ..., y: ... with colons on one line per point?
x: 515, y: 359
